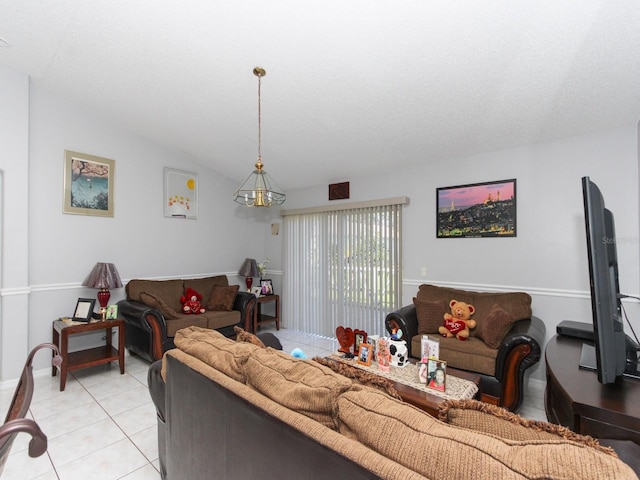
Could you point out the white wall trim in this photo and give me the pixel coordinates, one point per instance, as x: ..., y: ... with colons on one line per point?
x: 51, y: 287
x: 7, y: 292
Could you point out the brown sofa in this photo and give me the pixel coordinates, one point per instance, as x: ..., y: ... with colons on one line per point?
x: 153, y: 313
x: 506, y: 342
x: 234, y: 410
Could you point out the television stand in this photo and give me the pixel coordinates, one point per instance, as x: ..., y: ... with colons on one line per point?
x: 588, y: 361
x: 574, y: 398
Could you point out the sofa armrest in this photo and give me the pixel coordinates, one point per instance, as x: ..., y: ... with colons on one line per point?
x: 406, y: 321
x: 520, y: 349
x: 157, y: 388
x: 245, y: 302
x: 137, y: 313
x: 146, y: 329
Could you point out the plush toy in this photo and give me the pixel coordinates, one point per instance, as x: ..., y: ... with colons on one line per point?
x: 298, y: 353
x: 191, y: 302
x: 458, y: 322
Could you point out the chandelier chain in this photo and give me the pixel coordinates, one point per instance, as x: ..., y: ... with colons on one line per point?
x: 259, y: 120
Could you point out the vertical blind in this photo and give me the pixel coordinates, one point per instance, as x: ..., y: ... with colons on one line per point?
x: 342, y: 268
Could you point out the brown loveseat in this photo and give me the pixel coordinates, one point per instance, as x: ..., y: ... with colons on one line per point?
x: 234, y: 410
x: 506, y: 342
x: 153, y: 314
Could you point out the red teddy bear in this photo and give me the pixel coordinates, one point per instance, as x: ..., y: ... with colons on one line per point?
x: 191, y: 302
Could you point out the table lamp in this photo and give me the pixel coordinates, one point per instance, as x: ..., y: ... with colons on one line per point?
x: 248, y: 270
x: 103, y: 276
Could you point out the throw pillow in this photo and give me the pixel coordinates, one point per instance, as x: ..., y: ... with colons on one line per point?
x: 222, y: 298
x: 244, y: 336
x: 495, y: 326
x: 159, y: 304
x: 491, y: 419
x: 430, y: 314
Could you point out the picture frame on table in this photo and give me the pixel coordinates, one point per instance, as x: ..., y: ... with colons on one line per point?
x: 476, y: 210
x: 88, y: 184
x: 437, y: 374
x: 423, y: 371
x: 365, y: 353
x: 112, y: 312
x: 266, y: 286
x: 257, y: 291
x: 84, y: 310
x: 360, y: 337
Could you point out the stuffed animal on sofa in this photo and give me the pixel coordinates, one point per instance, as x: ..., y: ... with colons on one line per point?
x: 191, y: 302
x: 458, y: 322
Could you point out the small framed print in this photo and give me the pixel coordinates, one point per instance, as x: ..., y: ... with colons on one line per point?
x: 112, y: 312
x: 365, y: 353
x: 257, y: 291
x: 360, y: 338
x: 437, y: 374
x: 423, y: 371
x: 180, y: 194
x: 84, y: 310
x: 266, y: 286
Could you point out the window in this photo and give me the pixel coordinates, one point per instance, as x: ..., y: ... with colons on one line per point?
x: 343, y: 267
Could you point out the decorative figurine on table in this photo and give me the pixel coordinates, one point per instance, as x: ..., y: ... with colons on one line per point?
x: 398, y: 349
x: 384, y: 355
x: 346, y: 339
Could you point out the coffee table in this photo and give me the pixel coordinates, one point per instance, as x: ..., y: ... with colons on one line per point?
x: 429, y: 402
x: 421, y: 398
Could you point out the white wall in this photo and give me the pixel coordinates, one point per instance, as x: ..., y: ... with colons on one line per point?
x: 548, y: 257
x: 47, y: 254
x: 14, y: 152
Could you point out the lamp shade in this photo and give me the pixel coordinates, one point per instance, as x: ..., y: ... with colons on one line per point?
x: 103, y: 275
x: 249, y: 268
x: 259, y: 190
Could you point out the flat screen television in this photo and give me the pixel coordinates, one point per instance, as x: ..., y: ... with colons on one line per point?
x: 613, y: 353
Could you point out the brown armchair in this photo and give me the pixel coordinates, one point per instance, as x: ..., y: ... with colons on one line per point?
x: 512, y: 342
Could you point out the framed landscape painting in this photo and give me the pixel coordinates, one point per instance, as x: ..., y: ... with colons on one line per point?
x: 477, y: 210
x: 88, y: 184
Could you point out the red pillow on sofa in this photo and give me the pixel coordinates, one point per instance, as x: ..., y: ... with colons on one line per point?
x: 222, y: 298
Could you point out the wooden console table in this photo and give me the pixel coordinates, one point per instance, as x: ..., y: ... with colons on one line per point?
x: 574, y: 398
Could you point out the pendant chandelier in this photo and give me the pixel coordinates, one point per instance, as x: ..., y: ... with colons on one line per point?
x: 259, y: 190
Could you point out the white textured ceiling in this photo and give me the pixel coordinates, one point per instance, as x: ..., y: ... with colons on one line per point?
x: 351, y: 85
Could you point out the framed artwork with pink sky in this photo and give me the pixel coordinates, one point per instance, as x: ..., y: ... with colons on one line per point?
x: 477, y: 210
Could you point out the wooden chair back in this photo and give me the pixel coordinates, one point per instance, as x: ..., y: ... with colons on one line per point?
x: 15, y: 421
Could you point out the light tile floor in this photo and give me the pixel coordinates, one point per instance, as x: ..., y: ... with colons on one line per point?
x: 103, y: 426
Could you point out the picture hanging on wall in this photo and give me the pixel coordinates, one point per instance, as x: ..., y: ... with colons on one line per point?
x: 180, y: 194
x: 477, y: 210
x: 88, y: 184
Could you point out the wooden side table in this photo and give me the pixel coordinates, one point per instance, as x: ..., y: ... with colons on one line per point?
x: 259, y: 318
x: 89, y: 357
